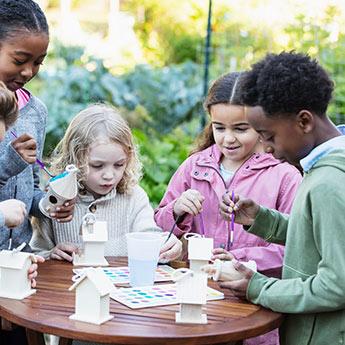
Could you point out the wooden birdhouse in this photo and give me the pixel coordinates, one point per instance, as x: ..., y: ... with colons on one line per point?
x: 199, y: 252
x: 224, y: 270
x: 92, y: 302
x: 191, y: 292
x: 61, y: 188
x: 14, y: 281
x: 94, y: 235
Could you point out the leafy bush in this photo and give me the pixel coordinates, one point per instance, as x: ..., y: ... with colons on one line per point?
x: 152, y: 99
x: 161, y: 156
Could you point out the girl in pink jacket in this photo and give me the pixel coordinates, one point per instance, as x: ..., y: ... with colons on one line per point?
x: 229, y: 157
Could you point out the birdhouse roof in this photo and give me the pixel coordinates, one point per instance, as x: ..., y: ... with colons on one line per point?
x: 98, y: 278
x: 65, y: 184
x: 99, y: 234
x: 200, y: 248
x: 12, y: 259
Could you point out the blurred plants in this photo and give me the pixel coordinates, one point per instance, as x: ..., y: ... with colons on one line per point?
x: 155, y: 100
x: 161, y: 156
x: 162, y: 100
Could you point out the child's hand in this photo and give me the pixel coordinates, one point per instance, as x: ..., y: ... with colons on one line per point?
x: 170, y: 250
x: 32, y: 272
x: 239, y: 287
x: 26, y: 146
x: 64, y: 213
x: 221, y: 254
x: 245, y: 209
x: 63, y: 251
x: 190, y: 202
x: 14, y: 212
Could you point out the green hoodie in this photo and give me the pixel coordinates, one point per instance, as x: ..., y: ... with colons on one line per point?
x: 312, y: 291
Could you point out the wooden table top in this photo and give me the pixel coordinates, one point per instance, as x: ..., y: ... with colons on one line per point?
x: 48, y: 310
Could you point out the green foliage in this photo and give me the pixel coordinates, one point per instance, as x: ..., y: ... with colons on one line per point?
x: 170, y: 95
x: 318, y: 40
x: 153, y: 99
x: 161, y: 156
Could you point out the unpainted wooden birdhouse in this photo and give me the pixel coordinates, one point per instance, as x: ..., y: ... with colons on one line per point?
x: 191, y: 292
x: 61, y: 188
x: 92, y: 301
x: 14, y: 281
x: 199, y: 252
x: 94, y: 235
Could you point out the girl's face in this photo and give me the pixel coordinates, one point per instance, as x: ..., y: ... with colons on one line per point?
x: 21, y: 58
x: 106, y: 166
x: 233, y: 135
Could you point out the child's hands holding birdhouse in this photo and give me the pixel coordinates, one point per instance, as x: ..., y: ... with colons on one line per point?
x: 64, y: 213
x: 32, y: 272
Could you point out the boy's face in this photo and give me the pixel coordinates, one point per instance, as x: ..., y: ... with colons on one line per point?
x: 283, y: 137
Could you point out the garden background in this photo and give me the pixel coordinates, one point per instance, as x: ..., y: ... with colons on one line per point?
x: 147, y: 58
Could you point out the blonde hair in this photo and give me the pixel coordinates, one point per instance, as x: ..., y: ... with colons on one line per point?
x: 89, y: 125
x: 8, y: 105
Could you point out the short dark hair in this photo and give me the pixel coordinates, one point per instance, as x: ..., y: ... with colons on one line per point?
x: 8, y: 105
x: 17, y: 15
x: 287, y: 83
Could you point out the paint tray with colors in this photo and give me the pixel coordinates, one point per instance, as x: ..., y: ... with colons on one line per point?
x: 120, y: 275
x: 154, y: 296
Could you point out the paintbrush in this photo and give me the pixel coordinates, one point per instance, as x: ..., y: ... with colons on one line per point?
x: 39, y: 163
x: 232, y: 224
x: 172, y: 229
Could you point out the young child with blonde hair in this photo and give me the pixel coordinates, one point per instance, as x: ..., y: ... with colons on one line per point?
x: 99, y: 143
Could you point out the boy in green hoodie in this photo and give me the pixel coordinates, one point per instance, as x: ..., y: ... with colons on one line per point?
x: 286, y: 98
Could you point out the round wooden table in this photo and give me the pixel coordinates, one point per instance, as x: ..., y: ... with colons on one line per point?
x: 229, y: 320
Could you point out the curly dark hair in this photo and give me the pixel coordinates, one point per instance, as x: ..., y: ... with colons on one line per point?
x: 286, y: 83
x: 21, y: 15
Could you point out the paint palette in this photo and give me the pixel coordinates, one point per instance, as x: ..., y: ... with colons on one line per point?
x: 154, y: 296
x: 120, y: 275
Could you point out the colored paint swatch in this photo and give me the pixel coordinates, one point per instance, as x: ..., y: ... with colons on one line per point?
x: 120, y: 275
x: 154, y: 296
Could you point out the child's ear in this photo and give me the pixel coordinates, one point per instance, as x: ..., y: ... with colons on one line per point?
x: 306, y: 121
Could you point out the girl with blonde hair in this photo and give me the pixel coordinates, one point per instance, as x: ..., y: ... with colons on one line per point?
x: 99, y: 142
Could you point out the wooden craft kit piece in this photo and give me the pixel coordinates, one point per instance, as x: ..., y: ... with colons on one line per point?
x: 94, y: 235
x: 225, y: 271
x: 61, y: 188
x: 191, y: 292
x: 14, y: 281
x: 92, y: 297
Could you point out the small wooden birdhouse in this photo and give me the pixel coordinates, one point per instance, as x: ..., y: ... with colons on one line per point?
x: 14, y: 281
x: 191, y: 292
x: 199, y: 252
x: 92, y: 296
x: 61, y: 188
x: 94, y: 236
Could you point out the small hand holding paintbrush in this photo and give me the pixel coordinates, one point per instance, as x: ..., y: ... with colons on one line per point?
x: 38, y: 162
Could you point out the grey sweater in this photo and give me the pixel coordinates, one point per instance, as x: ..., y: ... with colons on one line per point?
x: 123, y: 213
x: 18, y: 179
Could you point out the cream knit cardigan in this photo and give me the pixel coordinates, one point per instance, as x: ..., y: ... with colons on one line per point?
x: 123, y: 213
